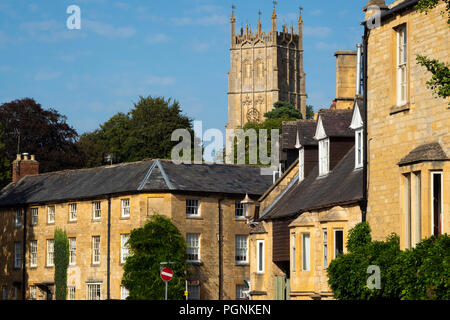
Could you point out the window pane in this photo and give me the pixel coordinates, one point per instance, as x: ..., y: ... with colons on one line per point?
x: 338, y: 242
x: 306, y: 252
x: 241, y: 248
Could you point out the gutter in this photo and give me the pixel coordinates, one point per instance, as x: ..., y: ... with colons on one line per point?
x: 108, y: 259
x: 219, y: 206
x: 24, y: 245
x: 364, y: 201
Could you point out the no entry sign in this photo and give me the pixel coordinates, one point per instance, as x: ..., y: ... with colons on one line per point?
x: 166, y: 274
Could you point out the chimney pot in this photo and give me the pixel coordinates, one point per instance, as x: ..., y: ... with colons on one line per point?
x: 24, y: 167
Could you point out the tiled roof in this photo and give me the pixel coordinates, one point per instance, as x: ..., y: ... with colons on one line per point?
x: 425, y: 152
x: 336, y: 122
x: 142, y: 176
x: 306, y: 130
x: 340, y: 186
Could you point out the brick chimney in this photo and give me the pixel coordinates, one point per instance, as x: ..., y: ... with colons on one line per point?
x: 24, y: 165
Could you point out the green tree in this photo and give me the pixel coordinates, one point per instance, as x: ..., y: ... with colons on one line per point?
x: 158, y: 241
x: 440, y: 71
x: 5, y: 165
x: 42, y: 132
x: 282, y: 110
x: 144, y: 132
x: 309, y: 112
x: 61, y: 262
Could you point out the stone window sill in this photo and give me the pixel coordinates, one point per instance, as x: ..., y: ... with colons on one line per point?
x: 195, y: 263
x: 194, y: 217
x: 398, y: 109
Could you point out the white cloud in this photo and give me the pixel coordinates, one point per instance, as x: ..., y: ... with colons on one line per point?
x: 107, y: 30
x: 157, y: 80
x: 49, y: 30
x: 157, y: 38
x: 320, y: 31
x: 46, y: 75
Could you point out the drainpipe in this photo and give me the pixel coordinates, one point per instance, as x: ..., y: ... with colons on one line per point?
x: 365, y: 160
x: 108, y: 263
x: 219, y: 205
x: 24, y: 246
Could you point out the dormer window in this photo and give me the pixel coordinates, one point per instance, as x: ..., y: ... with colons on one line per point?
x: 301, y: 159
x: 359, y: 148
x: 324, y: 156
x: 324, y: 148
x: 358, y: 125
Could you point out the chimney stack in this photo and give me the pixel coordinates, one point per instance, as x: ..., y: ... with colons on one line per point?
x: 24, y: 165
x: 346, y: 62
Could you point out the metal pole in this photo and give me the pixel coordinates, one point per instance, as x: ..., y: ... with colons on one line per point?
x: 166, y: 289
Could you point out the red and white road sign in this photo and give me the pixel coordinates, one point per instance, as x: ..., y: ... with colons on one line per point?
x: 166, y: 274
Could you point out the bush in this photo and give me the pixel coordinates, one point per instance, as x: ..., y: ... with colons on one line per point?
x: 419, y: 273
x: 347, y: 274
x: 358, y: 236
x: 424, y: 272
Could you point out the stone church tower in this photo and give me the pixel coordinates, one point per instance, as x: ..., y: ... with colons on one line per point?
x: 265, y: 68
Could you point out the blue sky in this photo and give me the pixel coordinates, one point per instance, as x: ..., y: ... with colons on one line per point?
x: 177, y: 49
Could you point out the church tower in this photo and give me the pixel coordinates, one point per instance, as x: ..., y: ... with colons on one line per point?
x: 265, y: 68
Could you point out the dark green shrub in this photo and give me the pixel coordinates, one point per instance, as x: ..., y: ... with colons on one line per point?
x: 347, y: 274
x: 424, y: 272
x: 61, y: 262
x: 358, y: 236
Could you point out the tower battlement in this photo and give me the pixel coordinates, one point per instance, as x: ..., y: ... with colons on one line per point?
x: 265, y: 67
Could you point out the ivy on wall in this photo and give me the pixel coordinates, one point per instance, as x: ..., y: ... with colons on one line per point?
x: 61, y: 262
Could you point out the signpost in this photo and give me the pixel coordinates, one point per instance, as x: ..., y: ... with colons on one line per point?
x: 166, y: 274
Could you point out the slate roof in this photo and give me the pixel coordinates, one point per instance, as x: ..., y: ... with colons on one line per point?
x: 142, y: 176
x: 336, y: 122
x: 425, y: 152
x: 306, y: 130
x: 340, y: 186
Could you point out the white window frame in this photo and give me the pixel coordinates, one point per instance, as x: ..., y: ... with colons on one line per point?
x: 306, y: 252
x: 240, y: 291
x: 260, y: 256
x: 33, y: 292
x: 71, y: 293
x: 72, y: 212
x: 50, y: 253
x: 433, y: 173
x: 97, y: 210
x: 335, y: 248
x: 17, y: 255
x: 402, y: 61
x: 18, y: 218
x: 324, y: 156
x: 325, y: 247
x: 294, y: 254
x: 94, y: 291
x: 51, y: 214
x: 193, y: 246
x: 239, y: 210
x: 301, y: 164
x: 125, y: 208
x: 190, y: 205
x: 33, y: 253
x: 124, y: 247
x: 96, y: 249
x: 359, y: 148
x: 241, y: 247
x: 408, y: 209
x: 34, y: 216
x: 72, y: 251
x: 124, y: 293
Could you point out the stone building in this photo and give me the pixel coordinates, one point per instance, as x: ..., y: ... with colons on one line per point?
x: 99, y: 207
x: 264, y: 68
x: 408, y: 126
x: 303, y: 219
